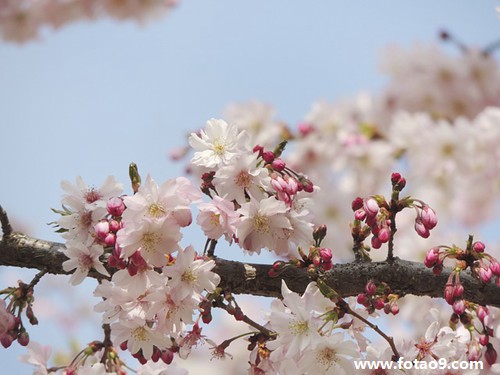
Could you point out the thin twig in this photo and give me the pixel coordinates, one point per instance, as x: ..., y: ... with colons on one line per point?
x: 4, y: 220
x: 37, y: 278
x: 248, y: 321
x: 107, y: 343
x: 389, y: 339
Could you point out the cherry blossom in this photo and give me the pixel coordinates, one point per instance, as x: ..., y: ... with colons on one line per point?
x: 261, y: 224
x: 217, y: 144
x: 82, y: 259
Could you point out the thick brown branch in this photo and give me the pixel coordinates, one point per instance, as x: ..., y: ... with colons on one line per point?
x: 403, y: 276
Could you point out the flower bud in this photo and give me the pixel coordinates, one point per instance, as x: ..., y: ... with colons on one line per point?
x: 6, y: 340
x: 110, y: 239
x: 167, y: 356
x: 384, y: 234
x: 459, y: 306
x: 379, y: 304
x: 485, y: 274
x: 482, y: 313
x: 259, y: 149
x: 360, y: 214
x: 114, y: 226
x: 357, y: 204
x: 362, y: 299
x: 421, y: 229
x: 370, y: 205
x: 495, y: 267
x: 376, y: 243
x: 449, y: 293
x: 319, y: 233
x: 484, y: 339
x: 432, y: 257
x: 437, y: 269
x: 102, y: 229
x: 490, y: 355
x: 115, y: 206
x: 478, y: 247
x: 278, y: 165
x: 370, y: 288
x: 268, y: 156
x: 428, y: 216
x: 474, y: 351
x: 23, y: 339
x: 305, y: 128
x: 307, y: 185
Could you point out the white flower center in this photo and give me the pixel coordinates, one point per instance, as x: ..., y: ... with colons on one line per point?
x: 140, y: 334
x: 215, y: 219
x: 156, y: 210
x: 298, y: 327
x: 85, y: 261
x: 92, y: 195
x: 326, y: 357
x: 261, y: 223
x: 188, y: 276
x: 219, y: 147
x: 149, y: 241
x: 243, y: 179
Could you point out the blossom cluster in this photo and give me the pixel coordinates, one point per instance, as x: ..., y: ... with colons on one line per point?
x: 256, y: 198
x: 21, y: 20
x: 156, y: 285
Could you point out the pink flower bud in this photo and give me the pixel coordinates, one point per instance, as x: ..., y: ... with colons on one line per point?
x: 292, y: 187
x: 114, y: 226
x: 384, y: 234
x: 326, y: 254
x: 167, y: 356
x: 268, y: 156
x: 6, y: 340
x: 362, y: 299
x: 376, y: 243
x: 485, y: 274
x: 478, y: 247
x: 305, y: 128
x: 394, y: 308
x: 360, y: 214
x: 23, y: 339
x: 428, y: 216
x: 484, y: 339
x: 379, y: 304
x: 449, y: 293
x: 370, y: 288
x: 482, y: 312
x: 395, y: 177
x: 432, y: 257
x: 421, y: 229
x: 357, y: 204
x: 307, y: 185
x: 437, y: 269
x: 458, y: 291
x: 278, y: 164
x: 490, y: 355
x: 370, y: 205
x: 110, y: 239
x: 327, y: 266
x: 258, y: 149
x: 102, y: 229
x: 459, y: 306
x: 495, y: 267
x: 115, y: 206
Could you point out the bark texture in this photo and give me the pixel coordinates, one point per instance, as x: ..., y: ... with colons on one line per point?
x: 404, y: 277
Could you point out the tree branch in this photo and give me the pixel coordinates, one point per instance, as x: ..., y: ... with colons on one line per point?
x: 404, y: 277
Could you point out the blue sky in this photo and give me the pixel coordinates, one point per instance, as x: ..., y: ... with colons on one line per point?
x: 94, y: 96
